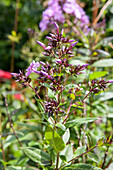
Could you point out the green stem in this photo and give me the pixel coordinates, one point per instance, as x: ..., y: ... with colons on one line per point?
x: 37, y: 95
x: 75, y: 107
x: 57, y: 161
x: 11, y: 123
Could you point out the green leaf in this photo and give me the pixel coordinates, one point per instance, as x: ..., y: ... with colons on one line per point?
x: 103, y: 63
x: 31, y: 127
x: 94, y: 157
x: 61, y: 126
x: 53, y: 139
x: 79, y: 151
x: 103, y: 53
x: 37, y: 155
x: 79, y: 121
x: 81, y: 167
x: 66, y: 136
x: 66, y: 154
x: 98, y: 74
x: 76, y: 62
x: 105, y: 96
x: 51, y: 93
x: 104, y: 42
x: 32, y: 105
x: 40, y: 106
x: 18, y: 168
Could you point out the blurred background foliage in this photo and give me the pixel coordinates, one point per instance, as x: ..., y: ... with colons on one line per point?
x: 29, y: 17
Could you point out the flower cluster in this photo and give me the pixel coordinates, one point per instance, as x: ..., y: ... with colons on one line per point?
x: 52, y: 107
x: 21, y: 78
x: 56, y: 73
x: 98, y: 85
x: 78, y: 69
x: 56, y: 11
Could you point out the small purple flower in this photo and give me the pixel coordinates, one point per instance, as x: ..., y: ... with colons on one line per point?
x: 32, y: 68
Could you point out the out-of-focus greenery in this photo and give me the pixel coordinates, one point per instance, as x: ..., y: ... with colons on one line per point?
x: 29, y: 17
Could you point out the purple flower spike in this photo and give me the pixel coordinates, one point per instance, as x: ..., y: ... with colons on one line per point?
x: 41, y: 44
x: 32, y: 68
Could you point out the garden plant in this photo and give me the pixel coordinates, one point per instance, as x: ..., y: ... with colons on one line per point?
x: 58, y: 112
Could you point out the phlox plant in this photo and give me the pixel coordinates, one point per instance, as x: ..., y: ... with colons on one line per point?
x: 61, y: 106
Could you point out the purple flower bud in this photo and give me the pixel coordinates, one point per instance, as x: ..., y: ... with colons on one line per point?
x: 85, y: 65
x: 49, y: 38
x: 37, y: 72
x: 61, y: 32
x: 46, y: 54
x: 42, y: 63
x: 58, y: 61
x: 48, y: 48
x: 74, y: 44
x: 41, y: 44
x: 64, y: 60
x: 43, y: 68
x: 52, y: 35
x: 110, y: 81
x: 71, y: 40
x: 14, y: 74
x: 44, y: 73
x: 57, y: 27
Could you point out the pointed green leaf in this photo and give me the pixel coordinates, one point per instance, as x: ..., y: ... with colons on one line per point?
x: 80, y: 121
x: 79, y: 151
x: 66, y: 154
x: 81, y: 167
x: 94, y: 157
x: 18, y: 168
x: 98, y: 74
x: 105, y: 96
x: 37, y: 155
x: 66, y: 136
x: 53, y: 139
x: 103, y: 53
x: 104, y: 42
x: 103, y: 63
